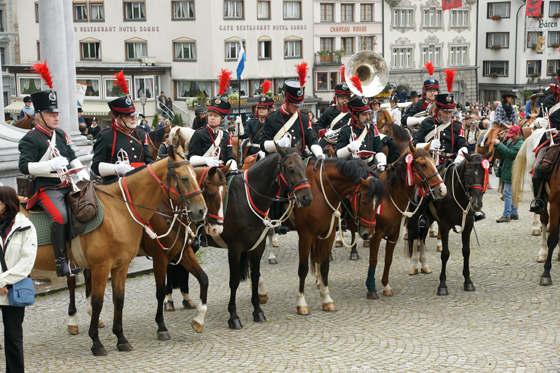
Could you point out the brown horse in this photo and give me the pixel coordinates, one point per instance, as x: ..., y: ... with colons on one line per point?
x: 111, y: 247
x: 396, y: 206
x: 28, y: 122
x: 155, y: 138
x: 175, y: 242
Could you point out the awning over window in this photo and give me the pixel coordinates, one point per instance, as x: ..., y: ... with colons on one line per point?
x: 89, y: 108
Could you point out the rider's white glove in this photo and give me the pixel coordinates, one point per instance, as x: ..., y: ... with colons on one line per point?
x: 461, y: 155
x: 381, y: 161
x: 317, y: 151
x: 211, y: 162
x: 435, y: 145
x: 261, y: 155
x: 285, y: 141
x: 541, y: 123
x: 410, y: 121
x: 58, y: 163
x: 354, y: 146
x: 122, y: 168
x: 83, y: 175
x: 329, y: 133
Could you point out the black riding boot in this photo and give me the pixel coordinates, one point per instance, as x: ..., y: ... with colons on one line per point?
x: 59, y: 235
x: 537, y: 205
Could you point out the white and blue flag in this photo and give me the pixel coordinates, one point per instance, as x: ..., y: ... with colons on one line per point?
x: 240, y: 60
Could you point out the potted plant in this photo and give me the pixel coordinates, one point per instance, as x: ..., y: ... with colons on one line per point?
x: 553, y: 73
x: 339, y: 53
x: 496, y: 47
x: 496, y: 17
x: 540, y: 16
x: 556, y: 15
x: 555, y: 45
x: 535, y: 75
x: 325, y: 56
x: 534, y: 46
x: 493, y: 75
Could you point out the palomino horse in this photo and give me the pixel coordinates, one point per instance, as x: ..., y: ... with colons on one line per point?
x: 466, y: 184
x: 175, y: 239
x: 28, y: 122
x: 524, y: 161
x: 414, y: 169
x: 155, y: 138
x: 246, y: 223
x: 111, y: 247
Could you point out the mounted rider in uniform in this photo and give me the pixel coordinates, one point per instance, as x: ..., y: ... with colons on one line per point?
x: 335, y: 117
x: 550, y: 102
x: 210, y: 146
x: 429, y: 91
x: 123, y: 143
x: 255, y: 125
x: 45, y: 152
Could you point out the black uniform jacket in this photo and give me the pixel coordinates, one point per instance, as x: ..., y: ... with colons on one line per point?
x: 452, y: 138
x: 204, y: 138
x: 420, y: 106
x: 301, y: 130
x: 252, y: 132
x: 324, y: 122
x: 372, y: 141
x: 111, y: 140
x: 34, y: 145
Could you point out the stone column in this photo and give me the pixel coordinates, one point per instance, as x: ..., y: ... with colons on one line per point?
x: 53, y: 48
x: 71, y: 64
x: 2, y: 114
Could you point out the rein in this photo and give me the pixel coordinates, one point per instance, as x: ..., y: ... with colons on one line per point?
x: 202, y: 184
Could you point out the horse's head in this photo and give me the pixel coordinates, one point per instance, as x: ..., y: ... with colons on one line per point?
x: 214, y: 189
x: 476, y: 168
x: 181, y: 176
x: 425, y: 172
x: 364, y: 201
x: 386, y: 129
x: 31, y: 121
x: 292, y: 174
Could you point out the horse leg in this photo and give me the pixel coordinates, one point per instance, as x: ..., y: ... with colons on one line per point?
x: 389, y: 249
x: 160, y: 272
x: 271, y: 236
x: 424, y: 258
x: 255, y: 260
x: 303, y: 268
x: 326, y: 300
x: 235, y: 273
x: 466, y: 237
x: 263, y: 293
x: 354, y: 251
x: 373, y: 252
x: 536, y: 226
x: 442, y: 288
x: 546, y: 280
x: 416, y: 244
x: 543, y: 252
x: 432, y: 231
x: 99, y: 278
x: 439, y: 243
x: 191, y: 264
x: 73, y: 322
x: 118, y: 279
x: 87, y: 281
x: 188, y: 303
x: 168, y: 305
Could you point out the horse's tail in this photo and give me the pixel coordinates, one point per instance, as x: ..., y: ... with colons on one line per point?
x: 177, y: 275
x: 518, y: 173
x: 244, y: 266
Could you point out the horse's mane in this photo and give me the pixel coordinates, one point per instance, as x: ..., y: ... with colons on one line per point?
x: 136, y: 170
x: 400, y: 133
x: 352, y: 168
x: 397, y: 173
x: 157, y: 134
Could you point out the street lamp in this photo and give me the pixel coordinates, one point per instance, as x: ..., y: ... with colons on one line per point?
x: 143, y: 101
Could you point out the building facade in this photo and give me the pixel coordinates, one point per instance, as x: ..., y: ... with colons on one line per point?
x: 516, y: 52
x: 418, y: 31
x: 177, y: 47
x: 9, y: 46
x: 342, y: 28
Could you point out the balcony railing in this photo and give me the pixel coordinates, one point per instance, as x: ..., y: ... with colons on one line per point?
x: 327, y: 59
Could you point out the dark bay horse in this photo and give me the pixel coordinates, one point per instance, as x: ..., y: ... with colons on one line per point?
x: 399, y: 204
x: 111, y: 247
x: 28, y: 122
x: 466, y: 184
x: 246, y: 224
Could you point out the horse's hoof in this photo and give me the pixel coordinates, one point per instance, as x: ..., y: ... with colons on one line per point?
x: 197, y: 326
x: 442, y: 291
x: 124, y: 347
x: 189, y: 304
x: 73, y: 329
x: 439, y: 248
x: 388, y: 293
x: 366, y: 243
x: 545, y: 281
x: 541, y: 258
x: 99, y: 351
x: 354, y: 256
x: 259, y: 317
x: 329, y: 307
x: 469, y: 287
x: 432, y: 234
x: 275, y: 243
x: 338, y: 243
x: 100, y: 324
x: 168, y: 306
x: 372, y: 295
x: 263, y: 299
x: 272, y: 261
x: 536, y: 232
x: 413, y: 271
x: 303, y: 310
x: 163, y: 336
x: 235, y: 324
x: 426, y: 271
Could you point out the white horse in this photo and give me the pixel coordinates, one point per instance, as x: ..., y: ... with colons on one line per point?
x: 524, y: 163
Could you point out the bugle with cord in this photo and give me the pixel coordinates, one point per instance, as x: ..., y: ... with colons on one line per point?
x: 64, y: 174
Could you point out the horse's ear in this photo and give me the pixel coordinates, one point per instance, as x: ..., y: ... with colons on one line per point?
x: 212, y: 171
x: 225, y: 169
x: 489, y: 154
x: 171, y: 153
x: 280, y: 149
x: 468, y: 157
x: 299, y: 146
x: 427, y: 147
x: 28, y: 115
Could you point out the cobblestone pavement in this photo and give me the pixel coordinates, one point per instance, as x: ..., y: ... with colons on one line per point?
x: 509, y: 324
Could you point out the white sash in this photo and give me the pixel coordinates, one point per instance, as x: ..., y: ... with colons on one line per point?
x: 362, y: 135
x: 337, y: 119
x: 52, y: 145
x: 213, y: 147
x: 285, y: 128
x: 430, y: 135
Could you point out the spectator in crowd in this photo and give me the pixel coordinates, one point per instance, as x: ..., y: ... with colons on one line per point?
x: 459, y: 106
x: 27, y: 109
x: 160, y: 122
x: 505, y: 112
x: 145, y: 126
x: 18, y: 240
x: 413, y: 99
x: 80, y: 119
x: 394, y: 93
x: 379, y: 116
x: 484, y: 124
x: 167, y: 123
x: 169, y: 105
x: 162, y: 100
x: 402, y: 95
x: 83, y: 128
x: 471, y: 135
x: 394, y: 111
x: 508, y: 153
x: 531, y: 108
x: 200, y: 119
x: 163, y: 148
x: 93, y: 129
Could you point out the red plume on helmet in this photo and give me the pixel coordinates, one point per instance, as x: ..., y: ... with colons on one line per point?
x: 121, y: 82
x: 449, y: 78
x: 355, y: 80
x: 342, y: 72
x: 223, y: 80
x: 43, y: 70
x: 302, y: 70
x: 430, y: 67
x: 266, y: 85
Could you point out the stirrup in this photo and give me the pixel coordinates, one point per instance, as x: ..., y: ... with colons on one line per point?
x: 423, y: 222
x: 63, y: 269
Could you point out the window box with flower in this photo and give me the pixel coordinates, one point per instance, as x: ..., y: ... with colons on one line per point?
x: 493, y: 75
x: 555, y: 45
x: 534, y: 46
x: 496, y: 17
x: 556, y: 15
x: 496, y: 47
x: 535, y: 75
